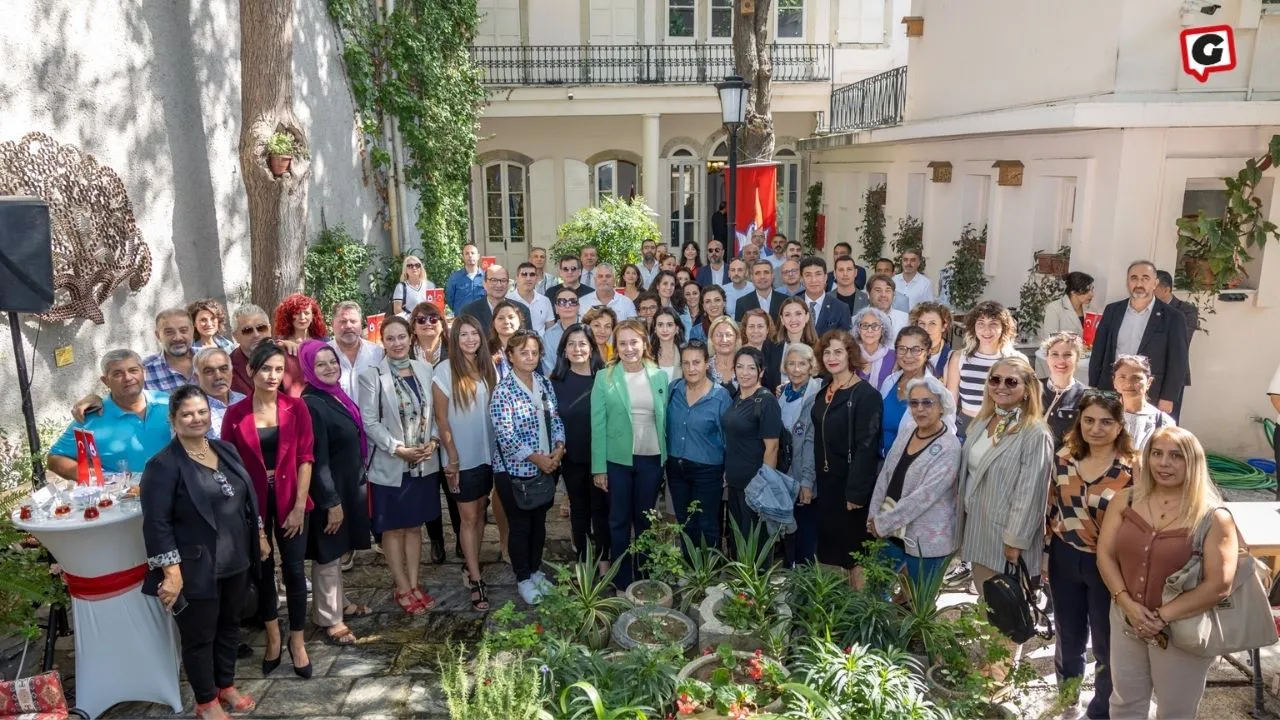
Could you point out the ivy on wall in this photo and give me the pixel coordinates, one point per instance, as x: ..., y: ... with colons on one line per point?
x: 414, y: 65
x: 871, y: 231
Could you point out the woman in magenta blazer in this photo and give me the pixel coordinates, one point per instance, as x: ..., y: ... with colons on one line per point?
x: 272, y: 432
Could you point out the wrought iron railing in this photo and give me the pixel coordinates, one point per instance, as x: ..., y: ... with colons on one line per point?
x: 512, y: 65
x: 877, y: 101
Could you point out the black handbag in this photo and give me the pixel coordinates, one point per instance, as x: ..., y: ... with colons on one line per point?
x: 537, y: 492
x: 1011, y: 604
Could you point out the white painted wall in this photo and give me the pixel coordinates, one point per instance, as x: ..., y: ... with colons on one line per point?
x: 1129, y: 193
x: 152, y: 90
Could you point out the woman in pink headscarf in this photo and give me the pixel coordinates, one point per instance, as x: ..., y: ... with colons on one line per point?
x: 340, y: 520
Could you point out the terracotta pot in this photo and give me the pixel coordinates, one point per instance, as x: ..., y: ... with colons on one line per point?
x: 279, y: 164
x: 982, y: 250
x: 1198, y: 272
x: 1052, y: 264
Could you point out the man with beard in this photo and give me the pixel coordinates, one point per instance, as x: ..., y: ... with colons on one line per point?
x: 213, y: 368
x: 250, y: 326
x: 648, y: 264
x: 355, y: 354
x: 171, y: 368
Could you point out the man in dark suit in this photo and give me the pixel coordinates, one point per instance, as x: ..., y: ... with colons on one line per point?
x: 1190, y: 313
x: 720, y: 225
x: 1143, y: 325
x: 716, y: 271
x: 827, y: 311
x: 496, y: 280
x: 764, y: 295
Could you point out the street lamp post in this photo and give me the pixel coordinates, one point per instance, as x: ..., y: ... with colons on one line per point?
x: 733, y: 113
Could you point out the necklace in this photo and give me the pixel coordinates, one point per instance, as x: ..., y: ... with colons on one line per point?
x: 931, y: 435
x: 832, y: 389
x: 200, y: 454
x: 1167, y: 507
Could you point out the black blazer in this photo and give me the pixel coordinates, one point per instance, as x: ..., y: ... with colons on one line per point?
x: 1164, y: 343
x: 480, y: 310
x: 751, y: 301
x: 1191, y: 314
x: 337, y: 478
x: 177, y: 516
x: 834, y: 314
x: 773, y: 375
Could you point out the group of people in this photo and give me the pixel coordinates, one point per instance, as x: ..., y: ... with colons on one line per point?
x: 257, y: 447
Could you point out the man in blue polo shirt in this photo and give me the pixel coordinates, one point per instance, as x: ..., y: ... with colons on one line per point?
x: 466, y: 284
x: 132, y: 426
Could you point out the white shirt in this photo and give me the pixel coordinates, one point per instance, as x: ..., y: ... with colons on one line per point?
x: 588, y: 277
x: 644, y: 428
x: 472, y: 431
x: 764, y: 300
x: 815, y: 306
x: 731, y: 295
x: 647, y: 274
x: 1132, y: 328
x: 918, y: 289
x: 718, y: 275
x: 620, y: 304
x: 369, y: 355
x: 1142, y: 424
x: 541, y: 314
x: 897, y: 321
x: 411, y: 296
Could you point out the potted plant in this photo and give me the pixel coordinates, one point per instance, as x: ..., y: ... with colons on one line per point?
x: 1054, y: 263
x: 582, y: 700
x: 654, y: 626
x: 281, y: 149
x: 961, y: 677
x: 488, y: 688
x: 1036, y: 293
x: 871, y: 231
x: 703, y: 569
x: 857, y: 682
x: 966, y: 271
x: 657, y: 551
x: 729, y: 683
x: 910, y: 236
x: 1213, y: 250
x: 582, y: 604
x: 750, y: 609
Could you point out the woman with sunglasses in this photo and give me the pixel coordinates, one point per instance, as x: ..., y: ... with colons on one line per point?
x: 1131, y: 376
x: 632, y: 281
x: 412, y: 289
x: 430, y: 333
x: 460, y: 389
x: 989, y: 332
x: 665, y: 338
x: 910, y: 351
x: 1140, y: 546
x: 1005, y: 470
x: 914, y: 503
x: 692, y: 314
x: 506, y: 322
x: 1090, y: 471
x: 1062, y: 391
x: 565, y: 303
x: 577, y: 360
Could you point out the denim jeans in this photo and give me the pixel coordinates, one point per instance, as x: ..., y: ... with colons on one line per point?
x: 688, y: 481
x: 632, y: 491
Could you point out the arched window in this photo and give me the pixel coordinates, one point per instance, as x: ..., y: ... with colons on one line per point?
x: 685, y: 196
x: 506, y: 212
x: 790, y: 204
x: 615, y: 178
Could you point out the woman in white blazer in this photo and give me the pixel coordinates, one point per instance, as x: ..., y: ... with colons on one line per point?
x: 1067, y: 312
x: 404, y: 470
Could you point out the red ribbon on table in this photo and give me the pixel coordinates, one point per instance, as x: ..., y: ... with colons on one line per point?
x: 105, y: 587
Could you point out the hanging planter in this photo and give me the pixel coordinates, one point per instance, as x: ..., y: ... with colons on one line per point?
x: 282, y: 147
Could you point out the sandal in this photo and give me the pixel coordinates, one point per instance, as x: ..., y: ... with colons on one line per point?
x: 408, y: 601
x: 356, y: 610
x: 425, y: 601
x: 236, y: 701
x: 479, y: 596
x: 341, y: 638
x: 212, y: 710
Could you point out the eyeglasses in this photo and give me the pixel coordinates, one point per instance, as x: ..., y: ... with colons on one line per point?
x: 497, y: 281
x: 569, y: 269
x: 567, y: 302
x: 926, y: 403
x: 260, y: 329
x: 1009, y: 382
x: 912, y: 351
x: 869, y: 326
x: 415, y: 266
x: 427, y: 320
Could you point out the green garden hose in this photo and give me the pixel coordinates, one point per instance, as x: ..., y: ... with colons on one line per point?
x: 1234, y: 474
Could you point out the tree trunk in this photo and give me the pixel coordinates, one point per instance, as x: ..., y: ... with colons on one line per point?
x: 751, y: 57
x: 277, y: 206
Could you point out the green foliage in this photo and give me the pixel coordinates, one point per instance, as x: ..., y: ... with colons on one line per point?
x: 703, y: 567
x: 658, y: 549
x: 821, y: 601
x: 581, y: 604
x: 923, y: 623
x: 856, y: 682
x: 283, y: 143
x: 1037, y: 291
x: 512, y: 631
x: 414, y: 65
x: 333, y: 267
x: 967, y: 275
x: 741, y: 683
x: 754, y: 596
x: 587, y: 704
x: 616, y: 228
x: 910, y: 236
x: 812, y: 208
x: 871, y: 231
x: 490, y: 689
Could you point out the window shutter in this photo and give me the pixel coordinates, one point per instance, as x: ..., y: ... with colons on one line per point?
x: 861, y: 21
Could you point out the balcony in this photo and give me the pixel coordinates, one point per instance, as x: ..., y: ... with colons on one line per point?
x: 534, y: 65
x: 874, y: 102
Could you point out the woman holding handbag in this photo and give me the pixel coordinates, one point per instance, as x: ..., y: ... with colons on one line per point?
x: 1139, y: 548
x: 529, y: 438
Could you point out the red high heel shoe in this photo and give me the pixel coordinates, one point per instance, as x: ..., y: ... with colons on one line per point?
x: 236, y: 701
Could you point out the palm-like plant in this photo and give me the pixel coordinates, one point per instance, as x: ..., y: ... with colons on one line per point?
x: 922, y: 621
x: 753, y: 573
x: 588, y: 705
x: 703, y: 567
x: 856, y: 682
x: 590, y: 592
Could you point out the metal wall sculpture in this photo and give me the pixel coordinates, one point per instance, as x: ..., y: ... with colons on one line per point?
x: 96, y: 243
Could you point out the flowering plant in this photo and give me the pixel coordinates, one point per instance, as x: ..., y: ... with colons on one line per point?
x: 738, y: 687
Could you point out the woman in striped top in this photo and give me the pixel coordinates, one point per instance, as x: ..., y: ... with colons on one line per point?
x: 989, y: 331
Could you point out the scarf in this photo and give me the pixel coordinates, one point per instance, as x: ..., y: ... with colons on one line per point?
x: 791, y: 394
x: 1008, y: 418
x: 398, y: 365
x: 307, y: 358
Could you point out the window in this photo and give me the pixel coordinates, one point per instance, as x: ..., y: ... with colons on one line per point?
x: 504, y: 193
x: 790, y: 19
x: 861, y: 22
x: 615, y: 178
x: 788, y: 186
x: 1066, y: 211
x: 684, y: 197
x: 721, y: 19
x: 915, y: 195
x: 680, y: 18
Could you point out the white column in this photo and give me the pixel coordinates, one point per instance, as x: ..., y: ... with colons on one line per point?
x: 649, y: 160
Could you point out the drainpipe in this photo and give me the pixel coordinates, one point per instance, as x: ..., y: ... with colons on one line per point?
x: 392, y: 196
x: 397, y: 150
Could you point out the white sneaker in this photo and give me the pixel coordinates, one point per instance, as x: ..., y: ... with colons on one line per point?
x: 529, y: 591
x: 540, y: 579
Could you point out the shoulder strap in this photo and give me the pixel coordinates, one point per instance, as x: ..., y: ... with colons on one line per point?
x: 1202, y: 531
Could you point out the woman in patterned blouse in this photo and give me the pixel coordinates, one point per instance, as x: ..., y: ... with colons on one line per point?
x: 529, y: 439
x: 1093, y: 466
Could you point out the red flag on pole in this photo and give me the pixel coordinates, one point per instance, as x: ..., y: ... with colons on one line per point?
x: 757, y: 203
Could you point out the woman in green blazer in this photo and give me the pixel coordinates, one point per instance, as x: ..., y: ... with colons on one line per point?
x: 629, y: 438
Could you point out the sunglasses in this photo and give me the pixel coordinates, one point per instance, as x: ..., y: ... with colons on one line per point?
x: 1105, y: 394
x: 260, y: 329
x: 415, y: 266
x: 1009, y: 382
x: 569, y: 269
x: 427, y: 320
x: 925, y: 403
x: 567, y: 302
x: 528, y: 274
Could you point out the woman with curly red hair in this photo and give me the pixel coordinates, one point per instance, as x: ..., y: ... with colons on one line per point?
x: 298, y: 318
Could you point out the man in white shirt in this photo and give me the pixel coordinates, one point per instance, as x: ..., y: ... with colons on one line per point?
x: 538, y: 256
x: 355, y: 354
x: 714, y: 272
x: 649, y: 263
x: 911, y: 282
x: 590, y: 256
x: 541, y: 314
x: 737, y: 285
x: 880, y: 291
x: 607, y: 295
x: 764, y: 298
x: 884, y: 266
x: 776, y: 251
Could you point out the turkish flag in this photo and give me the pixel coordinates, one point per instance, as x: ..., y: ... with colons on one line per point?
x: 756, y: 188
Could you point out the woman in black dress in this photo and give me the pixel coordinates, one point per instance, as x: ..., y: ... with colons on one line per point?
x: 340, y: 517
x: 846, y: 418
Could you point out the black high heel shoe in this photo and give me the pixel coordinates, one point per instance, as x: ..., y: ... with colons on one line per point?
x: 303, y: 671
x: 269, y: 666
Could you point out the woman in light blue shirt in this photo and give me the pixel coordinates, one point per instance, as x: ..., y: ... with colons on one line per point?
x: 695, y: 445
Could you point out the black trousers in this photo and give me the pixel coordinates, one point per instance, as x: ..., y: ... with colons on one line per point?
x: 526, y: 530
x: 1081, y: 603
x: 292, y: 552
x: 210, y: 633
x: 435, y: 528
x: 588, y: 510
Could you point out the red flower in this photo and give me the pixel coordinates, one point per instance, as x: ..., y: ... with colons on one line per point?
x: 488, y: 682
x: 742, y: 596
x: 686, y: 705
x: 738, y: 712
x: 759, y: 653
x: 755, y: 672
x: 848, y: 650
x: 538, y: 628
x: 708, y: 651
